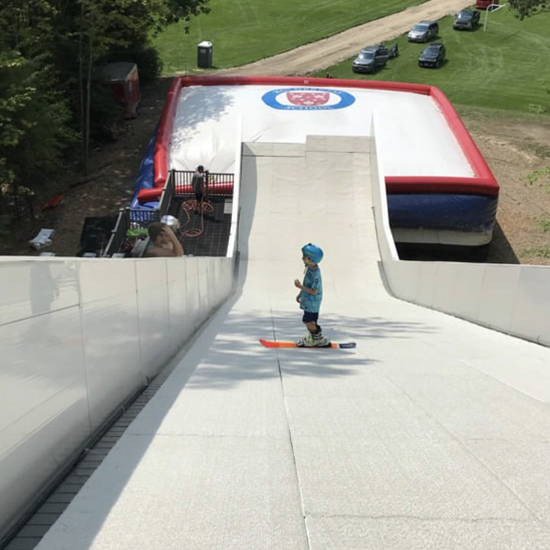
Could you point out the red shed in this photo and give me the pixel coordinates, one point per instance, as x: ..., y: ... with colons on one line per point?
x: 124, y: 85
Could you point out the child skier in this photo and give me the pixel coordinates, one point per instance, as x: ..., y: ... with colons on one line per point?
x: 310, y: 297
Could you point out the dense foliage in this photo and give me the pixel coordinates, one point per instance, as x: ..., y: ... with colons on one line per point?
x: 53, y: 101
x: 527, y: 8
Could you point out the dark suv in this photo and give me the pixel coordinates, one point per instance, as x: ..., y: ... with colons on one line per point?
x: 466, y: 19
x: 372, y: 58
x: 432, y: 56
x: 423, y: 31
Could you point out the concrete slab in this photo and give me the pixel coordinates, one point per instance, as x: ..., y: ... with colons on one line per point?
x: 361, y: 418
x: 424, y: 534
x: 187, y: 492
x: 479, y: 408
x: 523, y: 467
x: 421, y: 478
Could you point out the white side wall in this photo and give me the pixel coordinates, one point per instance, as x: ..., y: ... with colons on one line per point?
x: 77, y: 338
x: 514, y: 299
x: 233, y: 233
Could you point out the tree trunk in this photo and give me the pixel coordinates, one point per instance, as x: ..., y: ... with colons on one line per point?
x: 88, y: 102
x: 82, y: 117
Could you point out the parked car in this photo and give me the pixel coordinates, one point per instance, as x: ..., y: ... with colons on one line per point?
x: 466, y: 19
x: 423, y: 31
x: 432, y: 56
x: 372, y: 58
x: 484, y: 4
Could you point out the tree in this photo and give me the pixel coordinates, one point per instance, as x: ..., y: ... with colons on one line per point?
x: 528, y: 8
x: 51, y: 55
x: 108, y: 30
x: 34, y: 116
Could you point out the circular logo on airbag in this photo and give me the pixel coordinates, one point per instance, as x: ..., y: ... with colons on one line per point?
x: 308, y: 99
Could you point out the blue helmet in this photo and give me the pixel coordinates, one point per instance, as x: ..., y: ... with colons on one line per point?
x: 314, y: 253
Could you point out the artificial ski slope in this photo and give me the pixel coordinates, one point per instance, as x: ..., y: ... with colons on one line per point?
x: 403, y: 443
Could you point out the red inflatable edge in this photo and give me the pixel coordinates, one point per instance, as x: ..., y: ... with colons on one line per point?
x: 218, y: 189
x: 482, y: 183
x: 161, y: 159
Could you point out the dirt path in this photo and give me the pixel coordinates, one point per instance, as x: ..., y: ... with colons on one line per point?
x: 513, y: 147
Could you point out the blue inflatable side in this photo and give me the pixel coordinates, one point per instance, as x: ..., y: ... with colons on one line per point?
x: 468, y: 213
x: 145, y: 179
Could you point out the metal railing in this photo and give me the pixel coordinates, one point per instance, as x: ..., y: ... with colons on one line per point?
x: 129, y: 218
x: 178, y: 184
x: 217, y: 184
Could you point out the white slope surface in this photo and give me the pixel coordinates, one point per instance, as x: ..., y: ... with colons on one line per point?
x: 412, y: 441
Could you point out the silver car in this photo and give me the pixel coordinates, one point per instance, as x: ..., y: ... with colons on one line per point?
x: 423, y: 31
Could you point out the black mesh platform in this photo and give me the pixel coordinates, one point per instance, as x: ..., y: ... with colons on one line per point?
x: 205, y: 235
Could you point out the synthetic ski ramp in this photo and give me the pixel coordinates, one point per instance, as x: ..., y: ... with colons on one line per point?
x: 407, y: 442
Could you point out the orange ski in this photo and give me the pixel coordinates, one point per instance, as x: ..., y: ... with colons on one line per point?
x: 288, y: 344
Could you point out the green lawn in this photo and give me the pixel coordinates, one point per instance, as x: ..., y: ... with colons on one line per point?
x: 243, y: 31
x: 505, y: 67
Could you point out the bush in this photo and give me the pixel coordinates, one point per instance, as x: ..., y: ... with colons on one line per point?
x: 147, y: 59
x: 149, y: 64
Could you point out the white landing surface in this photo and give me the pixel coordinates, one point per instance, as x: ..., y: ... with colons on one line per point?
x: 414, y: 140
x: 416, y: 440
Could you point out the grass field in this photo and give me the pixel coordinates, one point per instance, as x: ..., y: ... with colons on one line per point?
x: 243, y: 31
x: 504, y: 67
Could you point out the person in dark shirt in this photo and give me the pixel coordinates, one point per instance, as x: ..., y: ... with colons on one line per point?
x: 199, y: 187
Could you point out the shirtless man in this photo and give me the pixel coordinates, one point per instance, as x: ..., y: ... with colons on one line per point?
x: 164, y: 242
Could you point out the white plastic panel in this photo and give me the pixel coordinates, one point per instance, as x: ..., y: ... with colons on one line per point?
x: 180, y: 325
x: 404, y: 279
x: 511, y: 299
x: 444, y: 290
x: 113, y: 366
x: 78, y: 338
x: 43, y: 403
x: 100, y: 279
x: 428, y: 283
x: 36, y: 287
x: 155, y: 340
x: 468, y: 293
x: 500, y: 285
x: 193, y: 289
x: 532, y: 305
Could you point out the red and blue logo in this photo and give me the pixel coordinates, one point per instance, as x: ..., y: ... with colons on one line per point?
x: 308, y: 99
